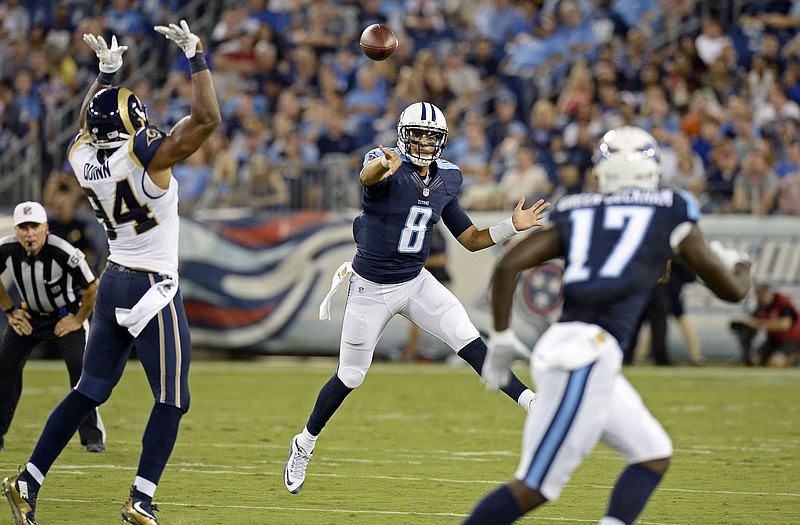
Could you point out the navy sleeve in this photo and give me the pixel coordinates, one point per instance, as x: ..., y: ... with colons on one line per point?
x: 146, y: 142
x: 455, y: 218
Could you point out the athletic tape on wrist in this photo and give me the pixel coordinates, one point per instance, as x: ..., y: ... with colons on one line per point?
x: 502, y: 231
x: 197, y: 63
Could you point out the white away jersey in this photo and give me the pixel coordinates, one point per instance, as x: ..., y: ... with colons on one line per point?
x: 140, y: 218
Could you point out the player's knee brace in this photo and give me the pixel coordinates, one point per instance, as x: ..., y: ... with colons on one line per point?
x: 352, y: 377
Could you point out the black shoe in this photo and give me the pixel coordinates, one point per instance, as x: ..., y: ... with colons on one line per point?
x: 95, y: 447
x: 2, y: 443
x: 22, y: 498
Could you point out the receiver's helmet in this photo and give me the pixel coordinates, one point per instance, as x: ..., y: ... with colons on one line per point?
x: 113, y: 116
x: 628, y: 157
x: 421, y: 125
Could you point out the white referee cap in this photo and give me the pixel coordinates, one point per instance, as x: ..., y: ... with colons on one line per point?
x: 29, y: 212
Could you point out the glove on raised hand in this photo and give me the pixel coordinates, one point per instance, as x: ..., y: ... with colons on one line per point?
x: 503, y: 349
x: 729, y: 257
x: 182, y: 36
x: 110, y: 58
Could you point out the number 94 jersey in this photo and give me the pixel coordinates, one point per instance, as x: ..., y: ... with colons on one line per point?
x: 140, y: 219
x: 617, y: 247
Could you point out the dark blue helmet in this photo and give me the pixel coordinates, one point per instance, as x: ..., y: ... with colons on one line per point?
x: 113, y: 116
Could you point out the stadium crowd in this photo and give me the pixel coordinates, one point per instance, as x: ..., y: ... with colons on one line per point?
x: 527, y: 87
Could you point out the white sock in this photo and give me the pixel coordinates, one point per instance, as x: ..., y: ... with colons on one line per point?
x: 35, y: 473
x: 607, y: 520
x: 526, y: 398
x: 145, y: 486
x: 306, y: 440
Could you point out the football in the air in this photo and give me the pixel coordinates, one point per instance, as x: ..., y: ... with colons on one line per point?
x: 378, y: 42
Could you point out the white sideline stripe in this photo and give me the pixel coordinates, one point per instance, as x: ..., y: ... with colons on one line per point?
x: 340, y: 511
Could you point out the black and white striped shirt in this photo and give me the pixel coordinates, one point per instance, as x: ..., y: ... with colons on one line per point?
x: 52, y: 280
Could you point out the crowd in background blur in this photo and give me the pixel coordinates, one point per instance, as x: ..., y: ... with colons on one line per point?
x: 527, y: 87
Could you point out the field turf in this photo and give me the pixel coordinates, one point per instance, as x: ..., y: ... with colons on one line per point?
x: 416, y: 444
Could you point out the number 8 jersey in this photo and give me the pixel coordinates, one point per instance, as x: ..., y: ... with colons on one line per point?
x: 140, y: 218
x: 393, y: 234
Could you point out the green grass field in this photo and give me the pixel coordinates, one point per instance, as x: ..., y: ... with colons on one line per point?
x: 416, y: 444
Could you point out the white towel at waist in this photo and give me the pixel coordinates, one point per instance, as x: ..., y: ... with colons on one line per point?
x: 152, y: 302
x: 342, y: 272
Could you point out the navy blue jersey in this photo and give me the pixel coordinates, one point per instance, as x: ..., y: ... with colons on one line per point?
x: 393, y: 233
x: 617, y: 247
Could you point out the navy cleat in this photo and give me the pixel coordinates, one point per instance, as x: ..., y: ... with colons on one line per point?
x: 22, y: 498
x: 294, y: 474
x: 139, y: 511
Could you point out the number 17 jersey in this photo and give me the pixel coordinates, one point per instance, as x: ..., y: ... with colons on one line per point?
x: 617, y: 247
x: 140, y: 219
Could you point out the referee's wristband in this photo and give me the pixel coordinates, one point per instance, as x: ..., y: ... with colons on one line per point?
x: 9, y: 310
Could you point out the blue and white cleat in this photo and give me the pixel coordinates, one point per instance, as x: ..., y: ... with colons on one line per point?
x: 294, y: 474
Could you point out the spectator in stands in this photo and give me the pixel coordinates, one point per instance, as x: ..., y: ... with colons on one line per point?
x: 472, y: 150
x: 504, y: 117
x: 629, y: 58
x: 759, y: 80
x: 497, y: 20
x: 484, y: 56
x: 776, y: 315
x: 544, y: 130
x: 334, y: 136
x: 720, y: 177
x: 268, y: 189
x: 462, y: 78
x: 756, y: 186
x: 365, y: 103
x: 425, y: 21
x: 744, y: 136
x: 575, y: 100
x: 525, y: 177
x: 11, y: 123
x: 570, y: 178
x: 682, y: 166
x: 628, y: 108
x: 789, y: 162
x: 224, y: 189
x: 645, y: 14
x: 776, y: 106
x: 712, y: 41
x: 193, y: 176
x: 607, y: 105
x: 15, y: 18
x: 484, y: 193
x: 15, y: 57
x: 789, y: 195
x: 504, y: 155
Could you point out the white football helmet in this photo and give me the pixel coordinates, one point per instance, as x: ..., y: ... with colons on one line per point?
x: 421, y: 121
x: 628, y: 157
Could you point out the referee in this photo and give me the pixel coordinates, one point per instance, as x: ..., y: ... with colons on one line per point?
x: 57, y: 287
